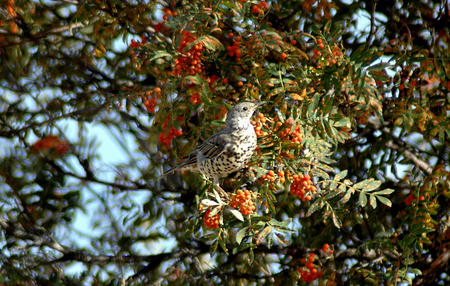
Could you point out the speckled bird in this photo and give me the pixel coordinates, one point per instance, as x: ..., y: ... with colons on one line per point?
x: 228, y: 150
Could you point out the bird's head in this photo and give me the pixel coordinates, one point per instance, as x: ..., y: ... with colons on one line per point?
x: 241, y: 113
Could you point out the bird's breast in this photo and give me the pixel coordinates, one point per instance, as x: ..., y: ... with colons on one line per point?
x: 237, y: 153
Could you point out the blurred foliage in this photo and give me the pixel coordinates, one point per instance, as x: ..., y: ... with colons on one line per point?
x: 349, y: 184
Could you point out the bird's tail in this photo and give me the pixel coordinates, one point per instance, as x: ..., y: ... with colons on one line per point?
x: 170, y: 171
x: 189, y: 163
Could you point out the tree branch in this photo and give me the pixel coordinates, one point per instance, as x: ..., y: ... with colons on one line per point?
x: 41, y: 35
x: 372, y: 24
x: 13, y: 132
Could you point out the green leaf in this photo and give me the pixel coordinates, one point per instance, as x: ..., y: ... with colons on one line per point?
x: 373, y: 201
x: 347, y: 195
x: 251, y: 256
x: 384, y: 192
x: 241, y: 234
x: 218, y: 123
x: 333, y: 185
x: 223, y: 245
x: 372, y: 185
x: 210, y: 42
x: 277, y: 90
x: 318, y: 204
x: 265, y: 232
x: 384, y: 200
x: 361, y: 185
x: 237, y: 214
x: 344, y: 122
x: 340, y: 175
x: 313, y: 105
x: 275, y: 222
x: 415, y: 271
x: 337, y: 222
x: 332, y: 194
x: 208, y: 202
x: 160, y: 54
x: 379, y: 66
x: 194, y: 79
x: 362, y: 199
x: 280, y: 115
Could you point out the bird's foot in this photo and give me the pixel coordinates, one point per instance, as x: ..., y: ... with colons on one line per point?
x: 222, y: 193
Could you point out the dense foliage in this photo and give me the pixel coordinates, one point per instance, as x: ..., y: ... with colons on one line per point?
x: 349, y: 183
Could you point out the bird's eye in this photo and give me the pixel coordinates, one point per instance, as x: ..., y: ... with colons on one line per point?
x: 245, y: 108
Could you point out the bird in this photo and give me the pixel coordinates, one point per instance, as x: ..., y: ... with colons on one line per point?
x: 226, y: 151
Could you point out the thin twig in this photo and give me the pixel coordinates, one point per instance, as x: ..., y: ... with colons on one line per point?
x: 41, y: 35
x: 372, y: 24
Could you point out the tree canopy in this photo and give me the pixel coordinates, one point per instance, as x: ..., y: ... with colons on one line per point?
x: 349, y: 182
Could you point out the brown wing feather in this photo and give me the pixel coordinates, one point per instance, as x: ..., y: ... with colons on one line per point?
x: 210, y: 148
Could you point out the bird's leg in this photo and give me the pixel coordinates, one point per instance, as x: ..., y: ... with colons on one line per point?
x: 222, y: 192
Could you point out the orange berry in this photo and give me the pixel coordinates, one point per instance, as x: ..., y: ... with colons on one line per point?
x: 211, y: 221
x: 255, y: 9
x: 240, y: 83
x: 283, y: 56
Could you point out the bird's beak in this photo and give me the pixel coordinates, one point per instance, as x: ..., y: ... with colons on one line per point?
x: 258, y: 104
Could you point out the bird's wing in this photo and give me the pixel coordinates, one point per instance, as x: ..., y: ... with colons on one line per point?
x: 210, y: 148
x: 214, y: 146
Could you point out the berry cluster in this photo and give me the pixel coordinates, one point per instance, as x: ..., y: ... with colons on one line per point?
x: 190, y: 60
x: 259, y: 8
x: 270, y: 176
x: 195, y: 98
x: 301, y: 186
x: 165, y: 137
x: 234, y: 51
x: 136, y: 44
x: 243, y: 201
x: 150, y: 101
x: 295, y: 136
x: 50, y: 143
x: 287, y: 133
x: 169, y: 13
x: 309, y: 273
x: 258, y: 125
x: 326, y: 249
x: 411, y: 198
x: 150, y: 104
x: 331, y: 58
x: 211, y: 221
